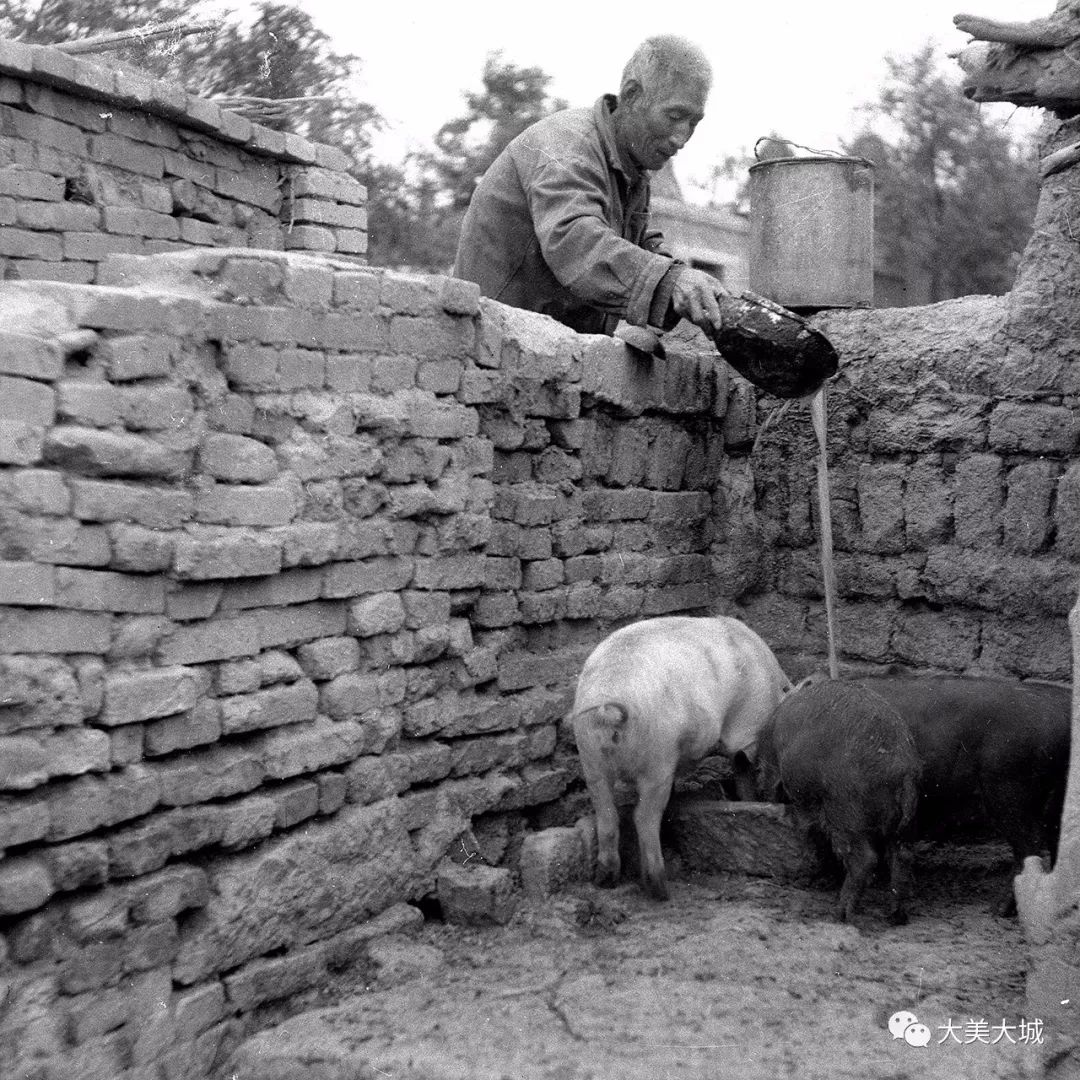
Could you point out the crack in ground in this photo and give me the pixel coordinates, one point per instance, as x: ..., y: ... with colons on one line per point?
x: 558, y: 1011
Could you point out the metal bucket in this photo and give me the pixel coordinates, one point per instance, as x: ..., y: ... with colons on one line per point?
x: 812, y: 231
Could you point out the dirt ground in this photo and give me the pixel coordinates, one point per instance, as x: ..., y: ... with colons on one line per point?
x: 736, y: 978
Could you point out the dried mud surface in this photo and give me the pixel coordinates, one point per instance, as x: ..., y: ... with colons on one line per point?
x: 735, y: 977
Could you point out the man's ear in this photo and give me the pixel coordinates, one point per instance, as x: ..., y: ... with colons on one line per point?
x: 630, y: 92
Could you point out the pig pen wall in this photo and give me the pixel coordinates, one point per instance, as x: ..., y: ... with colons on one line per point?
x: 955, y: 500
x: 298, y: 564
x: 98, y: 161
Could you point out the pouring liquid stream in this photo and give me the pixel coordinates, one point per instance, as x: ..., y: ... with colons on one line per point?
x: 819, y: 415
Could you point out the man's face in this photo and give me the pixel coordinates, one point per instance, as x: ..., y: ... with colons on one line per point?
x: 656, y: 126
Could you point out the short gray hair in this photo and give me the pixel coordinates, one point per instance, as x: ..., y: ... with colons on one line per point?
x: 660, y: 60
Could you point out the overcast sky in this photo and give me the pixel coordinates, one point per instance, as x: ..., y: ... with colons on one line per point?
x: 798, y: 67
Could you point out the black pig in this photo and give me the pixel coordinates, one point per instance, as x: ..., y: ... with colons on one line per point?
x: 847, y: 762
x: 994, y: 753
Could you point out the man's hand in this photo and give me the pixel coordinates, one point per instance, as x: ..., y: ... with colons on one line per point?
x: 694, y: 297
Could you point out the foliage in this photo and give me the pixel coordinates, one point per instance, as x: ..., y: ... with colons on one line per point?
x: 419, y: 224
x: 954, y: 195
x: 513, y: 98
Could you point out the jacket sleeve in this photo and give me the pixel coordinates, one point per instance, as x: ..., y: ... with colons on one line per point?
x: 654, y: 241
x: 570, y: 209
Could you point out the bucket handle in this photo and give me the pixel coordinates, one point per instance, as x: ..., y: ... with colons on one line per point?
x: 800, y: 146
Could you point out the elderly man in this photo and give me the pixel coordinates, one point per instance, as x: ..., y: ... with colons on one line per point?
x: 560, y: 221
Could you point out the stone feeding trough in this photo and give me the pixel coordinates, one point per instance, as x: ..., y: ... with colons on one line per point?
x: 753, y: 838
x: 711, y: 832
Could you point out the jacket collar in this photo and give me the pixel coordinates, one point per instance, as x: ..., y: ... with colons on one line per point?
x: 602, y: 112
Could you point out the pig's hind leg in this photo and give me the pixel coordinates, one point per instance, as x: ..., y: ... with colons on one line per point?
x: 860, y: 859
x: 653, y: 794
x: 899, y: 858
x: 608, y: 866
x: 601, y: 787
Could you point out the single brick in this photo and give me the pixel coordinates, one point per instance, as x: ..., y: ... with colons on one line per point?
x: 307, y: 748
x: 211, y: 552
x: 24, y: 183
x: 308, y: 238
x: 75, y: 273
x: 24, y: 763
x: 475, y: 895
x: 143, y: 127
x: 290, y: 626
x: 351, y: 241
x: 141, y: 550
x: 73, y: 753
x: 296, y: 802
x: 109, y: 453
x: 166, y: 894
x: 23, y: 819
x: 323, y: 184
x: 124, y: 153
x: 203, y: 234
x: 142, y: 695
x: 229, y: 504
x: 26, y: 244
x: 43, y: 131
x: 333, y: 788
x: 216, y: 639
x: 329, y: 657
x: 75, y: 865
x: 271, y: 980
x: 26, y: 583
x: 236, y: 458
x: 58, y: 217
x: 382, y: 613
x: 140, y: 356
x: 46, y: 631
x: 21, y: 444
x: 164, y: 408
x: 25, y: 884
x: 95, y: 590
x: 373, y: 575
x: 324, y: 212
x: 357, y: 289
x: 65, y: 542
x: 36, y: 357
x: 96, y: 246
x: 212, y: 773
x: 277, y: 706
x: 127, y: 221
x: 158, y: 508
x: 95, y: 404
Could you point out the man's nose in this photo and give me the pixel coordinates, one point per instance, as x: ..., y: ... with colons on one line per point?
x: 681, y: 135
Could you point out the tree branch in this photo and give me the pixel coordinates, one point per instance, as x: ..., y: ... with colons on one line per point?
x: 122, y: 38
x: 1049, y: 33
x: 1059, y: 160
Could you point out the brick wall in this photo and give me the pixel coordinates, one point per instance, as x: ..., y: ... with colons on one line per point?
x: 298, y: 564
x: 96, y: 161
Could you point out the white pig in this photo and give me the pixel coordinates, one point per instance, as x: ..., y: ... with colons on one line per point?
x: 655, y: 697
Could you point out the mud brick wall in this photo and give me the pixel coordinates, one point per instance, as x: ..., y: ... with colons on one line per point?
x: 953, y: 451
x: 96, y: 161
x: 298, y: 564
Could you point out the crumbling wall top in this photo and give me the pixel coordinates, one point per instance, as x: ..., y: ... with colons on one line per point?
x: 133, y: 90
